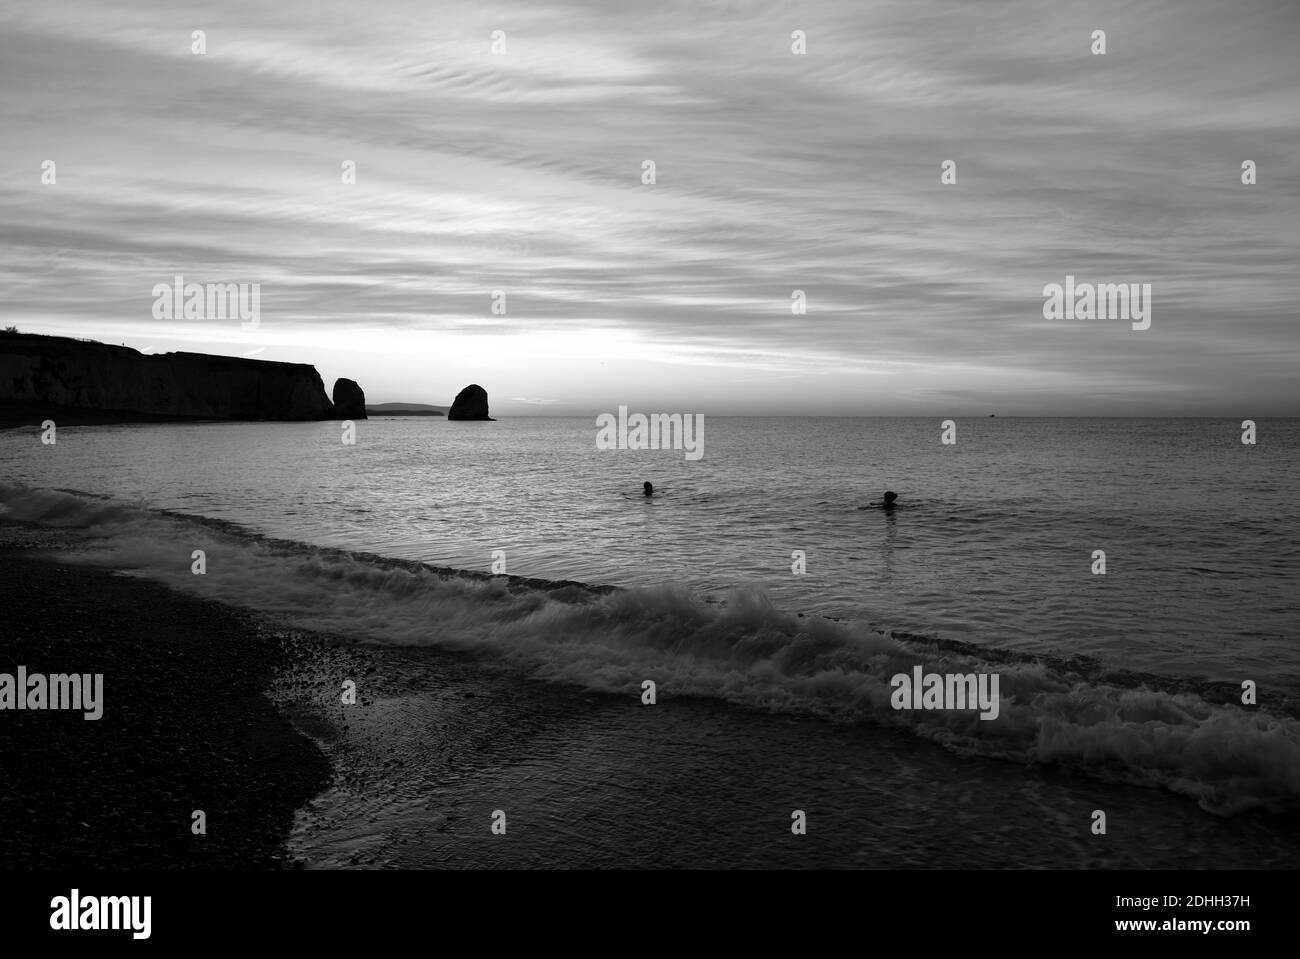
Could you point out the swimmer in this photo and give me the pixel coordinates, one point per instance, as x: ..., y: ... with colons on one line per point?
x: 649, y: 490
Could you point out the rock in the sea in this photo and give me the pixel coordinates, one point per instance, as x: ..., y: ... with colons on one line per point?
x: 349, y: 400
x: 470, y: 404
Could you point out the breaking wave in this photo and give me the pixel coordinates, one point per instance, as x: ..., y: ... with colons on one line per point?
x: 1194, y: 739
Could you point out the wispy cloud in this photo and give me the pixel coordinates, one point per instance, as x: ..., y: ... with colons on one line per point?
x: 521, y: 173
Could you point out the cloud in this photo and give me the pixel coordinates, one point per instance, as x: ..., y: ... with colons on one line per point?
x: 775, y: 172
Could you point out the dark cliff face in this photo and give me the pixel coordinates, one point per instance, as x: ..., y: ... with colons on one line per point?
x: 470, y: 404
x: 80, y: 375
x: 349, y: 400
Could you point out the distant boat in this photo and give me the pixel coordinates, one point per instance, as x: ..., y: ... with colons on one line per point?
x: 991, y: 415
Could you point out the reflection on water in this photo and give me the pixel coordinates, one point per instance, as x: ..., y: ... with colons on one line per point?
x: 991, y: 541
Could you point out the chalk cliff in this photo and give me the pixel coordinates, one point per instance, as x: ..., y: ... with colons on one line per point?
x: 116, y: 382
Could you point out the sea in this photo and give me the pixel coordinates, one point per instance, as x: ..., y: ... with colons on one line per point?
x: 669, y: 681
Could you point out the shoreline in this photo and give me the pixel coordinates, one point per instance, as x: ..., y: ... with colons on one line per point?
x: 208, y: 706
x: 440, y: 742
x: 186, y: 726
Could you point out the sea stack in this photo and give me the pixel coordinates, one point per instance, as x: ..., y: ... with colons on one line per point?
x: 471, y: 403
x: 349, y: 400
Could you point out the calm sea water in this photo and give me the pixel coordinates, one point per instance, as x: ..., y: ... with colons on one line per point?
x: 992, y: 541
x: 490, y: 692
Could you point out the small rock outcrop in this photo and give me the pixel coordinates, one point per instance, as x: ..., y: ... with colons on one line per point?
x: 349, y: 400
x: 471, y: 403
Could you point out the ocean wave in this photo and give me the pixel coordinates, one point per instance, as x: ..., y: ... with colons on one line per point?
x: 1076, y: 714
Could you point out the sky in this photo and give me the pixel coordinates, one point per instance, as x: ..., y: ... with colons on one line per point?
x: 520, y: 170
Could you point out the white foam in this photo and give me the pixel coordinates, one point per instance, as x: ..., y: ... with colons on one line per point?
x: 745, y: 652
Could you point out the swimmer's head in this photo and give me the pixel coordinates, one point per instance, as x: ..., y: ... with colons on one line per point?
x: 890, y: 496
x: 649, y: 490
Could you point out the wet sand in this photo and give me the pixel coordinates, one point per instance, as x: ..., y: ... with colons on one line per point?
x: 438, y: 742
